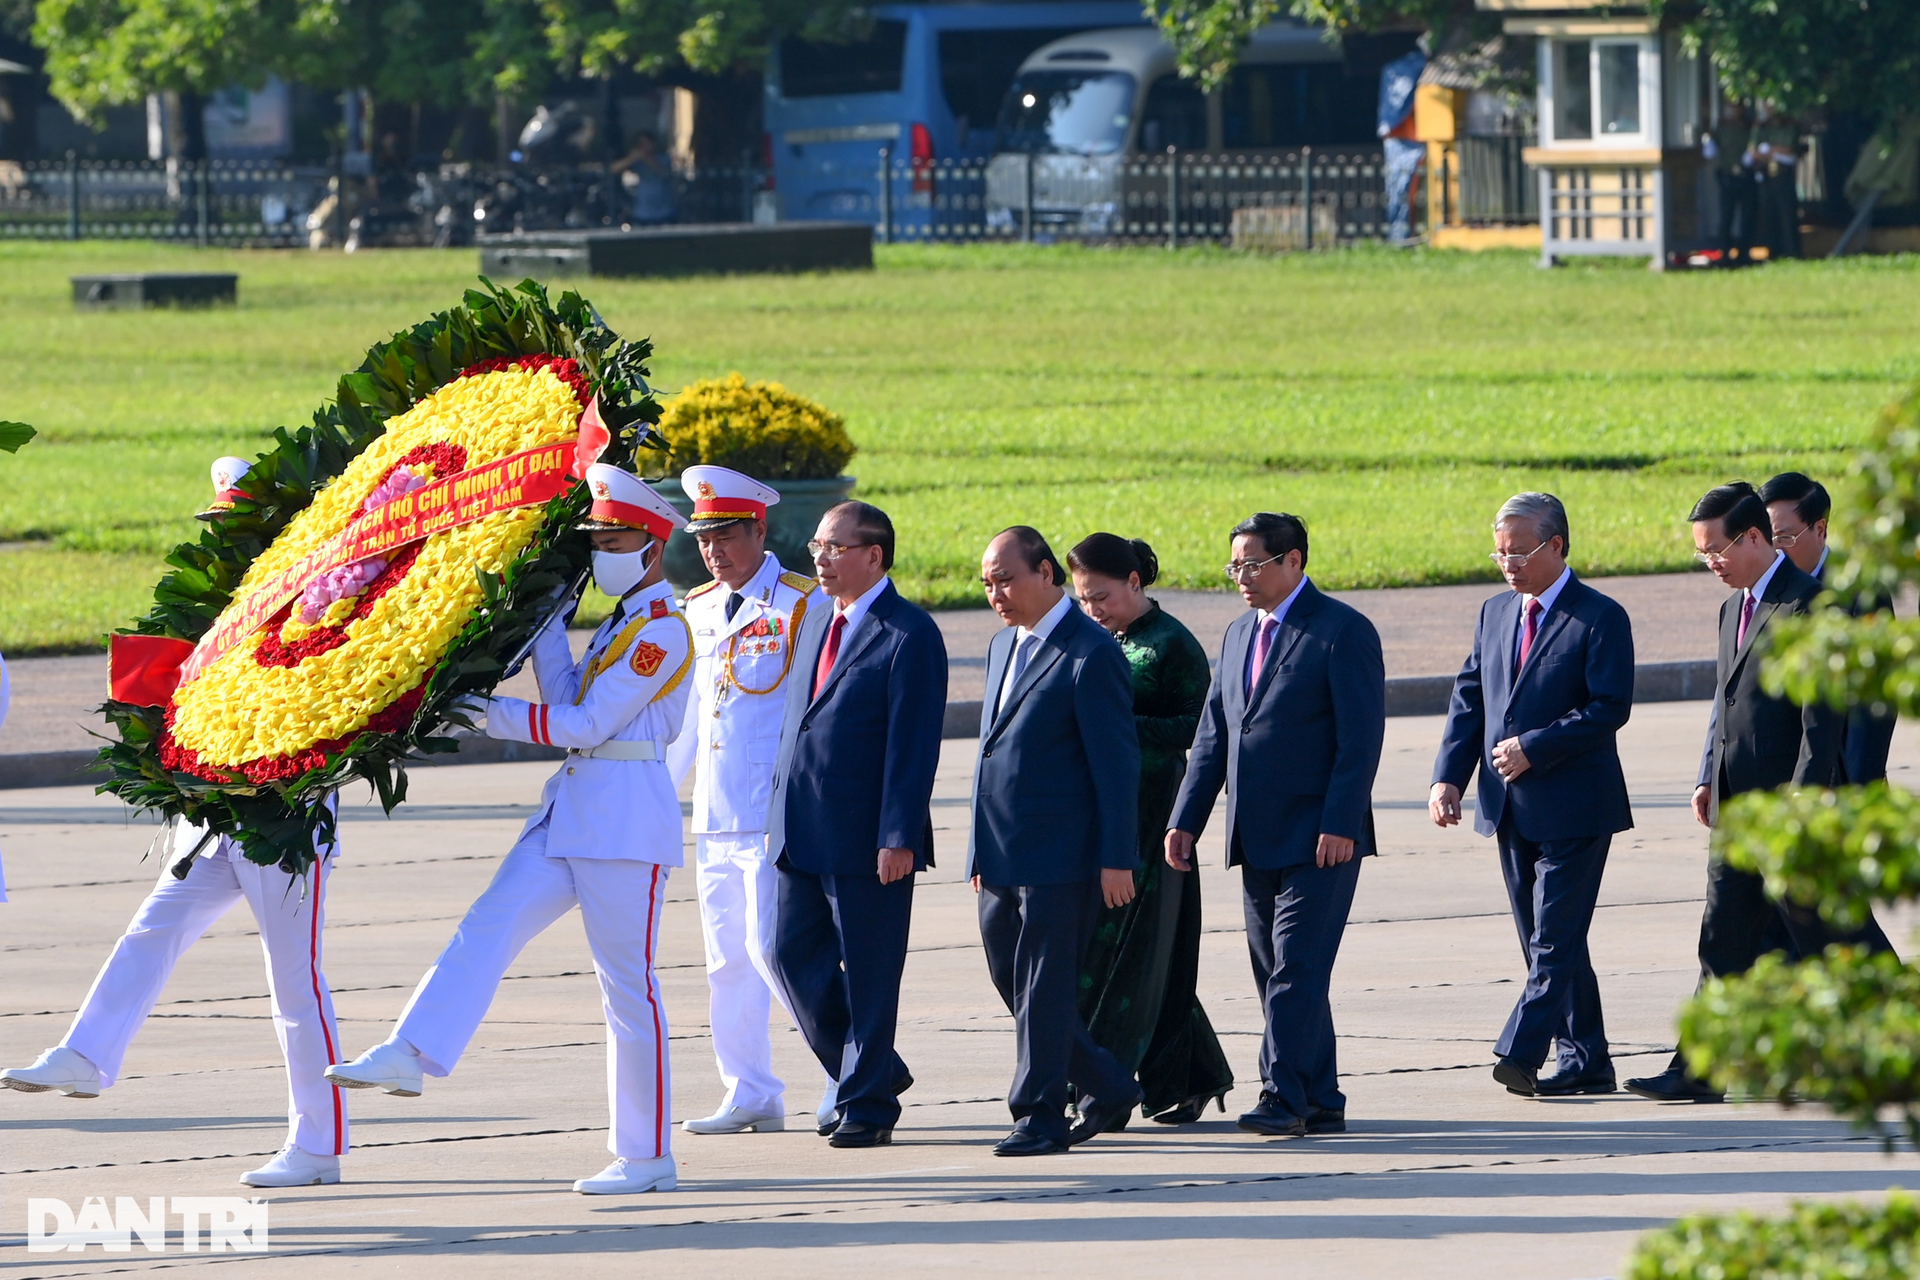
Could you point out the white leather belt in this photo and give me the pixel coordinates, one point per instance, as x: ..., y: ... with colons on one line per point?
x: 645, y: 749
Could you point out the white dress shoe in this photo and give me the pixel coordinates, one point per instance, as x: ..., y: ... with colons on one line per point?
x: 626, y: 1177
x: 386, y: 1067
x: 59, y: 1069
x: 294, y: 1168
x: 736, y: 1120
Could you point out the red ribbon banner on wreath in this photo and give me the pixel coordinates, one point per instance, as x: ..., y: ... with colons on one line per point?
x: 519, y: 480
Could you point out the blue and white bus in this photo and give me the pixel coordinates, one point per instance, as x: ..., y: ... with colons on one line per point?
x: 926, y: 82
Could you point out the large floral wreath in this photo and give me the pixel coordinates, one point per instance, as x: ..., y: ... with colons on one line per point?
x: 375, y: 568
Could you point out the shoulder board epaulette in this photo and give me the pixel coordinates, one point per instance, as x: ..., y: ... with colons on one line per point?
x: 705, y: 587
x: 798, y: 581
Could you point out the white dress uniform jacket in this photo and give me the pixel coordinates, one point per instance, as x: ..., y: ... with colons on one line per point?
x: 631, y: 687
x: 733, y: 720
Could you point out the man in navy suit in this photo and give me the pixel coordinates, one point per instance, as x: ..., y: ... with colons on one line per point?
x: 1536, y: 708
x: 1055, y: 832
x: 850, y: 820
x: 1292, y: 728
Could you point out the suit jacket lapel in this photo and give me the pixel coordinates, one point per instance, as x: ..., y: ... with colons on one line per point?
x: 1763, y: 609
x: 1284, y: 644
x: 1552, y: 622
x: 863, y: 639
x: 1045, y: 654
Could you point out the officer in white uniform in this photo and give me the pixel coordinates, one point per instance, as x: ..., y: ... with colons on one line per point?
x: 743, y: 624
x: 606, y: 835
x: 291, y: 914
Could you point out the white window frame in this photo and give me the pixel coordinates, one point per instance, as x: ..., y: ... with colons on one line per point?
x: 1649, y: 133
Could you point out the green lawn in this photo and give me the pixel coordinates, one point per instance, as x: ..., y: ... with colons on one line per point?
x: 1391, y: 399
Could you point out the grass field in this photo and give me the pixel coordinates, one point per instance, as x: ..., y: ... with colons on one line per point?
x: 1391, y: 399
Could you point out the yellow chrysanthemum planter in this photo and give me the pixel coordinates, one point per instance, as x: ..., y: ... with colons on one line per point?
x: 761, y: 429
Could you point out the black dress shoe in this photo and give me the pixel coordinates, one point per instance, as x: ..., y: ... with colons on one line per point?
x: 1023, y: 1142
x: 1517, y: 1076
x: 900, y: 1086
x: 852, y: 1133
x: 1565, y: 1084
x: 1327, y: 1121
x: 1097, y: 1117
x: 1273, y: 1120
x: 1675, y: 1085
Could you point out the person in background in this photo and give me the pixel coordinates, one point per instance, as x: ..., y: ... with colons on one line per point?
x: 1729, y: 149
x: 648, y: 177
x: 1054, y: 837
x: 1138, y: 982
x: 1536, y: 709
x: 1404, y: 155
x: 1293, y: 727
x: 1776, y: 161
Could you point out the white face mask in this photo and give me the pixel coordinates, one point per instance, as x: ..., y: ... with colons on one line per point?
x: 618, y: 572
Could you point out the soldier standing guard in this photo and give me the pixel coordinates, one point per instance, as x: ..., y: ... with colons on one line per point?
x: 604, y: 839
x: 743, y: 626
x: 290, y: 912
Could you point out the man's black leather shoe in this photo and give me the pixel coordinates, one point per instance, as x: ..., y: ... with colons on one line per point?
x: 1566, y: 1084
x: 1022, y: 1142
x: 1325, y: 1121
x: 1273, y: 1120
x: 852, y: 1133
x: 1675, y: 1085
x: 1517, y: 1076
x: 900, y: 1086
x: 1096, y: 1117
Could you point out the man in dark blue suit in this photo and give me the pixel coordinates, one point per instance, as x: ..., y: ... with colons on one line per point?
x: 1292, y: 728
x: 1536, y: 708
x: 851, y: 819
x: 1055, y: 832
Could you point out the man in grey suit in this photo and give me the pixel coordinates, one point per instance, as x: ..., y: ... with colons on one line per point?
x: 1755, y: 742
x: 1292, y: 728
x: 1055, y: 826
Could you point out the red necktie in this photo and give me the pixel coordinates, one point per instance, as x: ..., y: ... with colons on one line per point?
x: 1746, y: 616
x: 829, y: 652
x: 1528, y: 632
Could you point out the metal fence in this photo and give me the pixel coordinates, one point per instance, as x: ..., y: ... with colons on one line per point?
x: 210, y: 202
x: 1184, y: 197
x: 1496, y: 184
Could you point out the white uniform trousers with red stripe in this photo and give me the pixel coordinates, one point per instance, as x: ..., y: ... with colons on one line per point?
x: 620, y: 901
x: 291, y: 914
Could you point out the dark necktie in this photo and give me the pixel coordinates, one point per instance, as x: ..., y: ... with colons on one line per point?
x: 1262, y: 645
x: 1746, y: 616
x: 829, y: 652
x: 733, y: 604
x: 1528, y: 632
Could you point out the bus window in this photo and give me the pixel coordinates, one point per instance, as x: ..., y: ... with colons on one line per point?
x: 1284, y: 105
x: 975, y: 69
x: 1076, y: 112
x: 1175, y: 116
x: 824, y: 69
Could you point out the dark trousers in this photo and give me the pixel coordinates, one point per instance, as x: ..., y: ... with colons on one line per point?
x: 1295, y: 919
x: 1739, y: 214
x: 839, y: 947
x: 1552, y: 886
x: 1035, y: 936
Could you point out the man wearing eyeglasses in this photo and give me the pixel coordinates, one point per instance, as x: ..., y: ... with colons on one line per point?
x: 1292, y: 728
x: 1536, y: 709
x: 1755, y: 742
x: 851, y: 819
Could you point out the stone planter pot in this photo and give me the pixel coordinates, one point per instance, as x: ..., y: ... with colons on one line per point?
x: 790, y: 524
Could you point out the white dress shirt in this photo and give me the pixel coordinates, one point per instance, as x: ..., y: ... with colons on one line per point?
x: 1759, y: 589
x: 1040, y: 631
x: 1546, y: 599
x: 856, y: 612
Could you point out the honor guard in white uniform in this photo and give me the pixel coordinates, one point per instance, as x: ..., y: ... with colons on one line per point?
x: 604, y: 839
x: 290, y: 912
x: 743, y: 624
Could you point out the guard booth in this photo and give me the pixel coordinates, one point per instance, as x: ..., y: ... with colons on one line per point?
x: 1621, y: 109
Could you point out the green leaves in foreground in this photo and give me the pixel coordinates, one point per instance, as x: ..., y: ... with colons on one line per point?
x: 1842, y: 1029
x: 1817, y: 1242
x: 15, y: 434
x: 1840, y: 850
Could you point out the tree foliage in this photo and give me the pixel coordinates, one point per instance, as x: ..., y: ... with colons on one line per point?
x: 1809, y: 56
x: 1847, y: 1241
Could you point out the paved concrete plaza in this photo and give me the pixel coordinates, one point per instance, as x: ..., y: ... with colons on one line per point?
x: 1443, y: 1173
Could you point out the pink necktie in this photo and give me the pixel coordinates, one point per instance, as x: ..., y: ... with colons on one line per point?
x: 1261, y: 644
x: 829, y: 652
x: 1746, y: 616
x: 1528, y: 632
